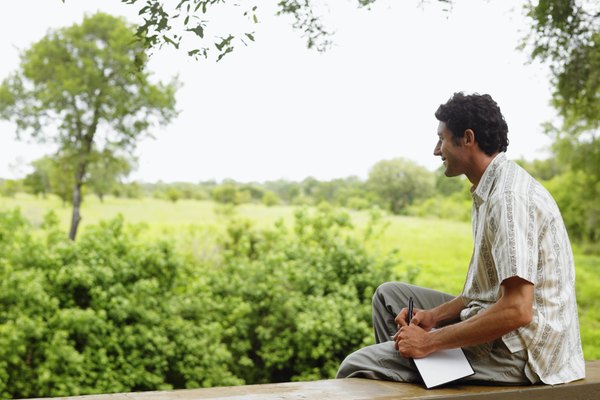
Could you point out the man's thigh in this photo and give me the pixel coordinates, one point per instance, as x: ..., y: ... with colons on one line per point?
x: 494, y: 364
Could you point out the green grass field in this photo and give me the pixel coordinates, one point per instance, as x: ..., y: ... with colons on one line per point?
x: 440, y: 249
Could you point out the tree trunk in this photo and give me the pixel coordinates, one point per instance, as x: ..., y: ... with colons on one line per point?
x: 76, y: 217
x: 83, y: 153
x: 79, y: 175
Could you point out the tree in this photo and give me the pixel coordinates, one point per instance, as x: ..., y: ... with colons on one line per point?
x: 85, y: 87
x: 229, y: 193
x: 566, y: 34
x: 106, y: 171
x: 51, y: 174
x: 399, y: 182
x: 38, y: 181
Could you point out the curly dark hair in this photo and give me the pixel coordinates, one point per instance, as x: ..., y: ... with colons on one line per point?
x: 481, y: 114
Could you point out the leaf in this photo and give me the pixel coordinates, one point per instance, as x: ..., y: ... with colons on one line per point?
x: 255, y: 19
x: 223, y: 43
x: 250, y: 36
x: 198, y: 30
x: 171, y: 41
x: 228, y: 50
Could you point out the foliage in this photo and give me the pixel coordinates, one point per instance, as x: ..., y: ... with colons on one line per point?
x: 132, y: 190
x: 105, y: 172
x: 270, y: 199
x: 566, y: 34
x: 230, y: 193
x: 453, y: 207
x: 399, y: 182
x: 9, y: 187
x: 38, y: 181
x: 52, y: 174
x: 543, y: 170
x: 102, y: 315
x: 55, y: 174
x: 83, y: 87
x: 576, y: 194
x: 446, y: 186
x: 117, y: 311
x: 179, y: 23
x: 173, y: 194
x: 299, y: 299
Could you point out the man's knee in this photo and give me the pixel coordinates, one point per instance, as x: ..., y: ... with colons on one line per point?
x: 347, y: 367
x: 386, y: 289
x: 380, y: 361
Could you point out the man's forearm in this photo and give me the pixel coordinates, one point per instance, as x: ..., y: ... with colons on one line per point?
x: 513, y: 310
x: 484, y: 327
x: 449, y: 311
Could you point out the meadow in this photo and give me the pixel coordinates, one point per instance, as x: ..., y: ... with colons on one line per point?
x: 436, y: 251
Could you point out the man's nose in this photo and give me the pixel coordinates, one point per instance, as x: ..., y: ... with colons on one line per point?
x: 436, y: 150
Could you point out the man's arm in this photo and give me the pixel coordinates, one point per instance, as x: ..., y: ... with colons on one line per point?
x: 513, y: 310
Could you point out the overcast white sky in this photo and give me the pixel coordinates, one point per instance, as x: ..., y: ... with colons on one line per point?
x: 277, y: 110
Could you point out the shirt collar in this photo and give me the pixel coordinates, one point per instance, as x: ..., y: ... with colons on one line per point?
x: 483, y: 189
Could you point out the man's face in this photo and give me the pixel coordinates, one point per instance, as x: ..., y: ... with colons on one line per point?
x: 453, y: 155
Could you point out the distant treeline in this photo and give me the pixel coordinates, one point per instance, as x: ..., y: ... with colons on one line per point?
x: 398, y: 186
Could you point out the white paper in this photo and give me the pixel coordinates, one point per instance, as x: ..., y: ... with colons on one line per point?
x: 443, y: 366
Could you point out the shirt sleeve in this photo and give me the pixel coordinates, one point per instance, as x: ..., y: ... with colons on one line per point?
x: 511, y: 224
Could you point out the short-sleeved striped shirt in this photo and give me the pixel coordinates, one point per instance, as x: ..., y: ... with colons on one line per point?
x: 518, y: 231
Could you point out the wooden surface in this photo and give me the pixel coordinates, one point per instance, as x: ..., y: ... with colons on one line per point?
x: 354, y: 389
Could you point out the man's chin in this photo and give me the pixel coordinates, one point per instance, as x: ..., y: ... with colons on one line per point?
x: 451, y: 174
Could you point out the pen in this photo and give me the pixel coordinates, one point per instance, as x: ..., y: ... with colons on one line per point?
x: 410, y: 309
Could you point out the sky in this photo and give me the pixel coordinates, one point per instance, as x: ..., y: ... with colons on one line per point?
x: 277, y: 110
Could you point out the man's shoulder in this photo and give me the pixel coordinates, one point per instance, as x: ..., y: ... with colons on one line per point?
x: 515, y: 187
x: 511, y: 180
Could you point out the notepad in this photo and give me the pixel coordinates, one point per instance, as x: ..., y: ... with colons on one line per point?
x: 443, y: 366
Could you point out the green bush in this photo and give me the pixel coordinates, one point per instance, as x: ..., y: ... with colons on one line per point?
x: 118, y: 312
x: 298, y: 300
x: 102, y: 315
x: 270, y: 198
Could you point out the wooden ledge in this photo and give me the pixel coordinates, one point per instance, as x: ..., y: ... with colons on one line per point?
x: 355, y: 389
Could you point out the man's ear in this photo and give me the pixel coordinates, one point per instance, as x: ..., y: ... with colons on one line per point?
x: 469, y: 137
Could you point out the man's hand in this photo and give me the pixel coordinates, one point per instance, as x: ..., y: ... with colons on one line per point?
x: 413, y: 341
x: 423, y: 318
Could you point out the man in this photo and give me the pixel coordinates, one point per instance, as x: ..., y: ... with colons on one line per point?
x: 516, y: 318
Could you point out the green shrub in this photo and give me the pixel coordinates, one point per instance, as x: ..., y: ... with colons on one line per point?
x: 296, y: 301
x: 118, y: 312
x: 101, y: 315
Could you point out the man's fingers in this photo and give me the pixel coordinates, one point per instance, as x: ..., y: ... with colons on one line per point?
x: 415, y: 320
x: 401, y: 318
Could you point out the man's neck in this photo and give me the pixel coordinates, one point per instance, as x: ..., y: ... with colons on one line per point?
x: 478, y: 167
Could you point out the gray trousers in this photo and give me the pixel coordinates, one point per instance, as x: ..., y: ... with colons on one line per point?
x: 492, y: 362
